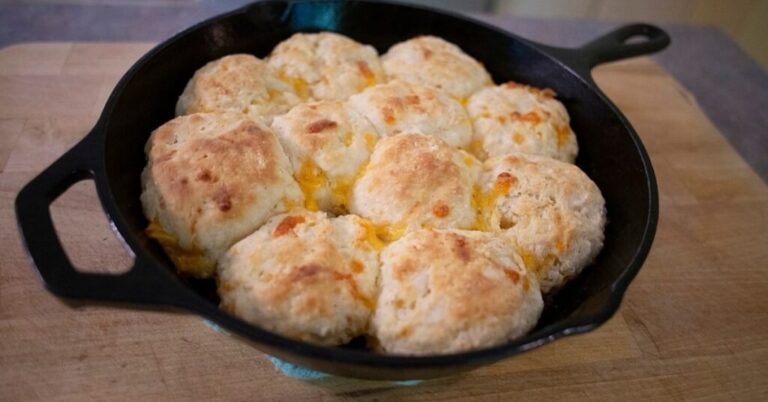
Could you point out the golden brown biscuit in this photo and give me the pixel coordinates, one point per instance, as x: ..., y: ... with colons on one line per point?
x: 436, y: 63
x: 328, y: 144
x: 415, y: 180
x: 326, y: 65
x: 448, y: 291
x: 305, y: 276
x: 520, y: 118
x: 239, y: 82
x: 399, y: 107
x: 211, y: 179
x: 551, y: 210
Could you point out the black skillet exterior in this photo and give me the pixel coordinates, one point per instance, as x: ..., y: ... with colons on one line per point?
x: 112, y: 155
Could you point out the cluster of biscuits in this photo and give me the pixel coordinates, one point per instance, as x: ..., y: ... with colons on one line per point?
x: 334, y: 193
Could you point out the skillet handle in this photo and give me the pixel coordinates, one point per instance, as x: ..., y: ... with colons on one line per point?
x: 613, y: 46
x: 140, y: 285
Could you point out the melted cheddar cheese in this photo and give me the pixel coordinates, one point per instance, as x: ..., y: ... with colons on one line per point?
x: 371, y: 237
x: 468, y: 159
x: 484, y: 202
x: 310, y: 179
x: 378, y: 236
x: 370, y: 80
x: 370, y: 140
x: 340, y: 193
x: 476, y: 147
x: 193, y: 261
x: 390, y: 233
x: 563, y: 134
x: 535, y: 264
x: 347, y: 139
x: 299, y: 86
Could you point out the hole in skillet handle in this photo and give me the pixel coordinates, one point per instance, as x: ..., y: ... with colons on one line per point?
x: 636, y: 39
x: 138, y: 285
x: 88, y: 240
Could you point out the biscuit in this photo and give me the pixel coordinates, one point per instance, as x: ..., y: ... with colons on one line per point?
x: 550, y: 210
x: 305, y: 276
x: 326, y: 65
x: 241, y: 83
x: 397, y: 107
x: 415, y: 180
x: 436, y: 63
x: 211, y: 179
x: 449, y: 291
x: 520, y: 118
x: 328, y: 144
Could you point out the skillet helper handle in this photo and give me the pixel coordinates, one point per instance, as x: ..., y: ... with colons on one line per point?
x: 44, y: 247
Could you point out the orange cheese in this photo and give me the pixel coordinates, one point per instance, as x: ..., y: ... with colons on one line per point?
x: 189, y: 261
x: 310, y: 179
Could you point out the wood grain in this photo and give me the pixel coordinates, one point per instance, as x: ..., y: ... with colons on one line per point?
x: 694, y: 324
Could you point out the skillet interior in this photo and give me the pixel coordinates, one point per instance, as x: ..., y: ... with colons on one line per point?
x: 608, y: 152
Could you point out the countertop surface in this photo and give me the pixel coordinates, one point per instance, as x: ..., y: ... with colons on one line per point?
x: 694, y: 323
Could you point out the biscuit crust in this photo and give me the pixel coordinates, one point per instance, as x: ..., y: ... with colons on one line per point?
x: 303, y: 275
x: 328, y: 144
x: 414, y: 181
x: 398, y: 107
x: 447, y: 291
x: 213, y: 178
x: 519, y: 118
x: 434, y: 62
x: 238, y: 82
x: 550, y: 210
x: 326, y: 65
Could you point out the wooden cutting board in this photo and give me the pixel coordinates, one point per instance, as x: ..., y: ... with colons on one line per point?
x: 694, y: 323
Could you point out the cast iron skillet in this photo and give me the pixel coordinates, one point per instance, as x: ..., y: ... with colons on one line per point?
x: 112, y: 155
